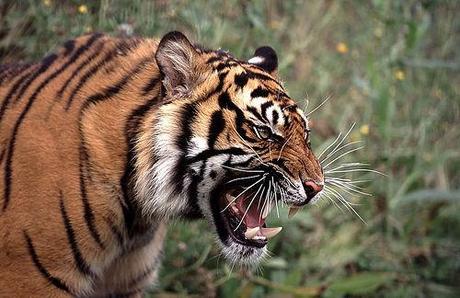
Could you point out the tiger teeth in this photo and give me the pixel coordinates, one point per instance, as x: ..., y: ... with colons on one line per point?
x: 251, y: 232
x: 293, y: 211
x: 270, y: 232
x: 229, y: 198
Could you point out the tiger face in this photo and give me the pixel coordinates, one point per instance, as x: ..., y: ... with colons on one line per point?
x: 228, y: 144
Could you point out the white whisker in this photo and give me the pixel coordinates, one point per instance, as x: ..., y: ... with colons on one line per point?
x: 242, y: 178
x: 344, y: 187
x: 319, y: 106
x: 356, y: 170
x: 282, y: 148
x: 245, y: 190
x: 329, y: 146
x: 347, y: 204
x: 341, y: 141
x: 345, y: 145
x: 241, y: 169
x: 342, y: 155
x: 248, y: 207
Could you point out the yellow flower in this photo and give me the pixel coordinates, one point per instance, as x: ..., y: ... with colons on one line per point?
x: 342, y: 48
x: 88, y: 29
x: 83, y: 9
x: 364, y: 130
x: 400, y: 75
x: 47, y: 2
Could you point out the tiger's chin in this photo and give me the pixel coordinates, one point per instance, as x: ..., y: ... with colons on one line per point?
x: 239, y: 219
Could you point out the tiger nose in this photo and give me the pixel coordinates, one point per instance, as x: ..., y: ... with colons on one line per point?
x: 311, y: 188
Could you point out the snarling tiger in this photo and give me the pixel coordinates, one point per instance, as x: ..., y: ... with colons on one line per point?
x: 107, y: 140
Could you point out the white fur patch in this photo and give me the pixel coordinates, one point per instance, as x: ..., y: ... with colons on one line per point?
x: 256, y: 60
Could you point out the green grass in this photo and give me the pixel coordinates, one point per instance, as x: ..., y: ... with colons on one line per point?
x: 390, y: 66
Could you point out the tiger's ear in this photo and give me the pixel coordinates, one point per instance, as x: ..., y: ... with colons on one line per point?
x: 266, y: 58
x: 176, y: 58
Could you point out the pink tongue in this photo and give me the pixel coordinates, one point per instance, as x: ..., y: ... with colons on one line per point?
x: 253, y: 218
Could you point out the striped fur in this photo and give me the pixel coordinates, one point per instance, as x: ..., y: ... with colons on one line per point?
x: 104, y: 142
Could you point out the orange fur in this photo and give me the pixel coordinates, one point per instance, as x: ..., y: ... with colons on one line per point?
x: 64, y: 150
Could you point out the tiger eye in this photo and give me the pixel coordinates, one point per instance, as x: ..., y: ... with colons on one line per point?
x: 263, y: 132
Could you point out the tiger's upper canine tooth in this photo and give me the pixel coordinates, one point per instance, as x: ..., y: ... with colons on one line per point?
x: 229, y: 197
x: 270, y: 232
x: 293, y: 211
x: 267, y: 209
x: 251, y: 232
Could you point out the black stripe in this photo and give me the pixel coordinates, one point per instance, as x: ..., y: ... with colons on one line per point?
x: 189, y: 113
x: 9, y: 159
x: 225, y: 102
x: 115, y: 89
x: 213, y: 59
x: 259, y: 92
x: 90, y: 73
x: 128, y: 204
x: 82, y: 265
x: 264, y: 108
x: 58, y: 283
x: 9, y: 155
x: 97, y: 52
x: 262, y: 77
x: 23, y: 80
x: 216, y: 127
x: 206, y: 154
x: 241, y: 79
x: 254, y: 111
x: 84, y: 157
x: 152, y: 83
x: 2, y: 154
x: 88, y: 211
x: 275, y: 117
x: 216, y: 90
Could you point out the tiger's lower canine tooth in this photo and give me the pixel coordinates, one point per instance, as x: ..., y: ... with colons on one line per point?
x: 270, y: 232
x: 251, y: 232
x: 293, y: 211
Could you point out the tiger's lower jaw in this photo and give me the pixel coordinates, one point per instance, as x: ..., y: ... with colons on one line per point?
x: 240, y: 226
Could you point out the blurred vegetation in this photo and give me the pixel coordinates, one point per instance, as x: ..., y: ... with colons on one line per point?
x: 391, y: 66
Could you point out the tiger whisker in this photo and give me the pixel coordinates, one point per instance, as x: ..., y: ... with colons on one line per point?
x: 348, y: 165
x: 319, y: 106
x: 341, y: 141
x: 242, y: 178
x: 246, y: 143
x: 242, y: 169
x: 328, y: 195
x: 241, y: 193
x: 329, y: 146
x: 347, y: 204
x: 346, y: 187
x: 340, y: 148
x: 282, y: 147
x: 249, y: 207
x: 356, y: 170
x: 342, y: 155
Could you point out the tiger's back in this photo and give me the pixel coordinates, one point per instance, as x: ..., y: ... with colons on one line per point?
x: 50, y: 128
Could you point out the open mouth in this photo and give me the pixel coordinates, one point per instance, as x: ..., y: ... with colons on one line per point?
x: 240, y: 214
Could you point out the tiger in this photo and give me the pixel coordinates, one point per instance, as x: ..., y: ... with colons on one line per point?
x: 106, y: 141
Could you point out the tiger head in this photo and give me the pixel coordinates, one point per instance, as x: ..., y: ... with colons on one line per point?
x: 227, y: 144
